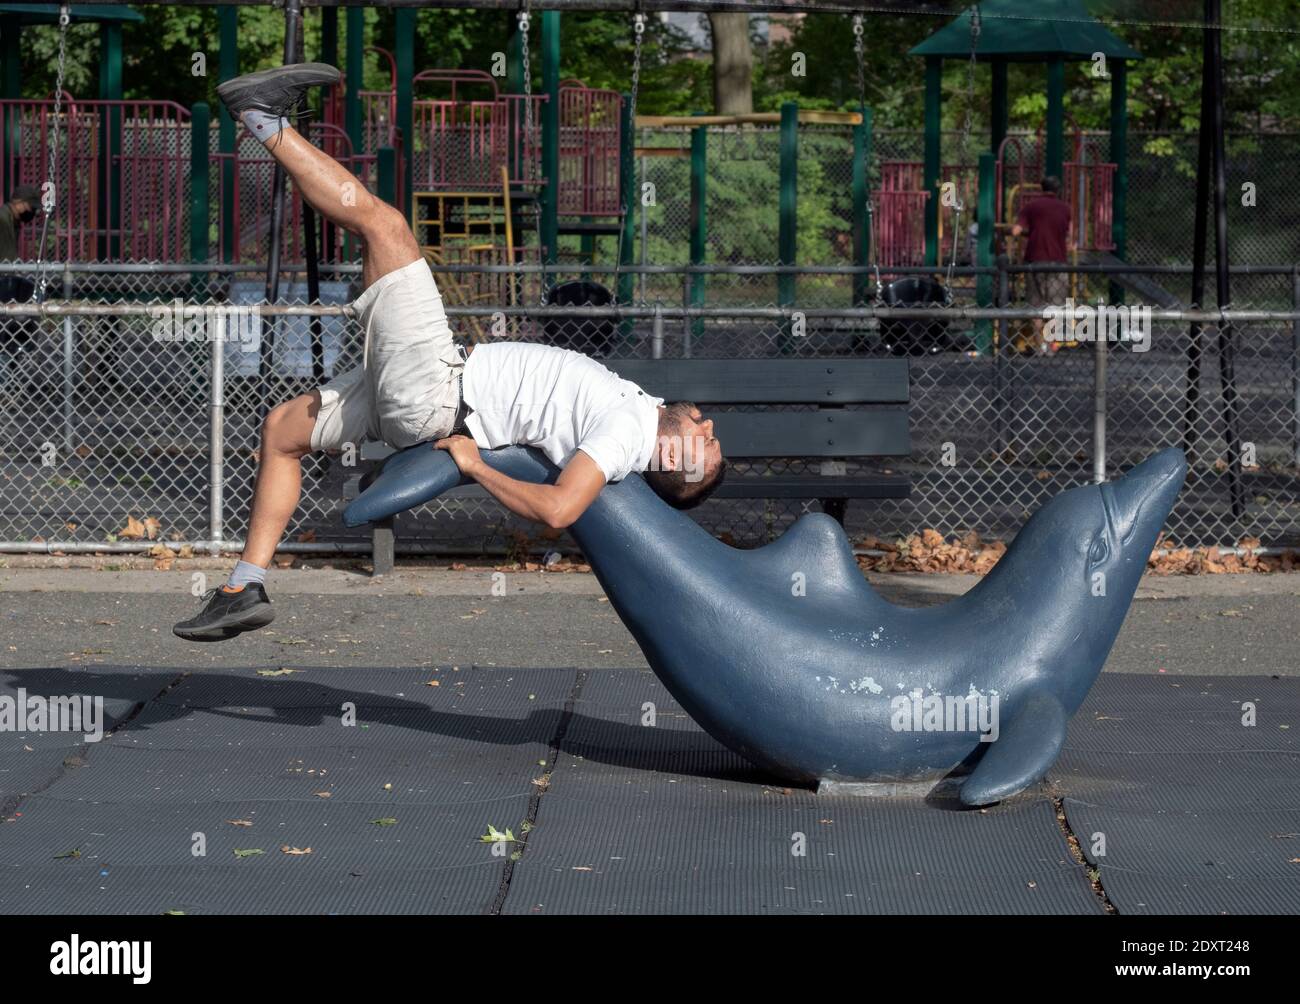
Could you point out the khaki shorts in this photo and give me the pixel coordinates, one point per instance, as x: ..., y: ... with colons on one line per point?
x: 406, y: 390
x: 1048, y: 289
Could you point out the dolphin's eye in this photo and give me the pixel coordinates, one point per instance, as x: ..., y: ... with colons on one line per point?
x: 1099, y: 551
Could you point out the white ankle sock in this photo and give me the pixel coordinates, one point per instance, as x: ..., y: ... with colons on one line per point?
x: 262, y: 124
x: 245, y: 572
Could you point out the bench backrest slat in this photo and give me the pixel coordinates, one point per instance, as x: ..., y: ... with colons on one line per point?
x: 769, y: 381
x: 880, y: 432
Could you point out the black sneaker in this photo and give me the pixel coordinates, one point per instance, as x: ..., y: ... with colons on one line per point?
x: 227, y: 614
x: 276, y: 91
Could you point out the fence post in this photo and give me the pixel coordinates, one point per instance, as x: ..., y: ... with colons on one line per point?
x: 984, y: 248
x: 217, y: 436
x: 628, y: 200
x: 11, y: 86
x: 1295, y: 363
x: 1054, y: 141
x: 229, y: 68
x: 1099, y: 410
x: 200, y: 121
x: 862, y: 138
x: 787, y: 238
x: 699, y: 216
x: 69, y: 367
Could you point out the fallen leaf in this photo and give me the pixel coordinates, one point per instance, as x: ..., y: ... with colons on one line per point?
x: 286, y: 849
x: 240, y: 822
x: 248, y: 852
x: 282, y: 671
x: 386, y: 821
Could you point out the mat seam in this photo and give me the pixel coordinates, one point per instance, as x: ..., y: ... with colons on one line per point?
x: 11, y: 805
x: 1076, y: 852
x: 535, y: 799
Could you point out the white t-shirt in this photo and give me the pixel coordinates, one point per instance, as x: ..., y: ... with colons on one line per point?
x: 524, y: 394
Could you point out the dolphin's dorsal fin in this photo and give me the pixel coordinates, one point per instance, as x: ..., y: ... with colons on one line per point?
x: 817, y: 546
x: 1026, y: 747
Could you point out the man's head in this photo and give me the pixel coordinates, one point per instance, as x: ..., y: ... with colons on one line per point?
x: 24, y: 200
x: 687, y: 463
x: 1051, y: 184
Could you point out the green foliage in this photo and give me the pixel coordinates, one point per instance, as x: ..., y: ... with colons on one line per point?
x: 1164, y: 87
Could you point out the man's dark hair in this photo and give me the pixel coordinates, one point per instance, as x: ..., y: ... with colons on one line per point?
x: 1051, y: 183
x: 675, y: 487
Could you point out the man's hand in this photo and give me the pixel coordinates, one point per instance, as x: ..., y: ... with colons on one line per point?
x: 464, y: 451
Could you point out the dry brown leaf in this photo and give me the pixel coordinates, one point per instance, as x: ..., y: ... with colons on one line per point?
x: 286, y: 849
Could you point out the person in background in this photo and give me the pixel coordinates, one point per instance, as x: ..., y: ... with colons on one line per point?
x: 24, y: 201
x: 1045, y: 223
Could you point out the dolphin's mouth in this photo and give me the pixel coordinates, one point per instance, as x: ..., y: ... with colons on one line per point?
x: 1146, y: 490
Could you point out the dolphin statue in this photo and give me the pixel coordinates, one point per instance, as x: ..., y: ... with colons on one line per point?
x: 786, y: 655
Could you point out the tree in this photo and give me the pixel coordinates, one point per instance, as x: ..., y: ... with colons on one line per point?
x: 733, y: 64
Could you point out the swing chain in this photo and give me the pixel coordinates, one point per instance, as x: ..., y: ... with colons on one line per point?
x: 49, y: 197
x: 860, y: 51
x: 525, y: 21
x: 638, y: 32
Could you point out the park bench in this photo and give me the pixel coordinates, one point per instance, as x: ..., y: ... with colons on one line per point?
x: 742, y: 397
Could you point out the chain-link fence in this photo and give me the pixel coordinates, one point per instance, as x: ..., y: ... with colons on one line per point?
x: 105, y: 418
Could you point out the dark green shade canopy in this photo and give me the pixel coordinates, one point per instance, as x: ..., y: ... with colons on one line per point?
x: 1033, y: 31
x: 48, y: 13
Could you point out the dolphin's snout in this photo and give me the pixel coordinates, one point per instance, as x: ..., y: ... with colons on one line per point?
x: 1148, y: 491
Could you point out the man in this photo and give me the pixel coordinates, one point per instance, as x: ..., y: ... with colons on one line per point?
x: 415, y: 385
x: 21, y: 208
x: 1045, y: 221
x: 15, y: 332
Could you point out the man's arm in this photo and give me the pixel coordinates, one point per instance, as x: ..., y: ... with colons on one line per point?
x: 557, y: 506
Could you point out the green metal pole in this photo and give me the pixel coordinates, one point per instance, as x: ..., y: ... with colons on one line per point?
x: 984, y: 248
x: 386, y: 169
x: 405, y: 55
x: 699, y: 216
x: 1119, y: 157
x: 11, y: 81
x: 933, y: 144
x: 1054, y: 159
x: 228, y: 19
x: 550, y: 201
x: 788, y: 207
x: 627, y: 198
x: 1000, y: 106
x: 862, y: 138
x: 110, y: 131
x: 200, y: 121
x: 355, y: 64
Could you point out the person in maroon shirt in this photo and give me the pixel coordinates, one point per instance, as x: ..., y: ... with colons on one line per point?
x: 1045, y: 222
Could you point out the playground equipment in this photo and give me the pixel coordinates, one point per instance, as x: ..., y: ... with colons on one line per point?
x: 831, y: 683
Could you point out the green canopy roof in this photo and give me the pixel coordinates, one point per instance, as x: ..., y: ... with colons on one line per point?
x: 48, y: 13
x: 1033, y: 32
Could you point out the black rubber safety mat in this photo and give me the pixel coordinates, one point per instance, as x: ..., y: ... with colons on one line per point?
x: 210, y: 797
x: 31, y: 761
x: 658, y: 818
x: 1185, y: 792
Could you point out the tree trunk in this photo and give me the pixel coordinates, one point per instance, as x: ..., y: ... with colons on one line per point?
x: 733, y: 65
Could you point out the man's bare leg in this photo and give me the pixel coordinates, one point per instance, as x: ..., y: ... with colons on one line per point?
x: 387, y: 245
x: 338, y: 195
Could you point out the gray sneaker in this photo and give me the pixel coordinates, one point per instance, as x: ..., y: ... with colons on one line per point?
x: 276, y: 91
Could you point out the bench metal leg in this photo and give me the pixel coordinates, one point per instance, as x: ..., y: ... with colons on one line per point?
x: 834, y: 508
x: 382, y: 550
